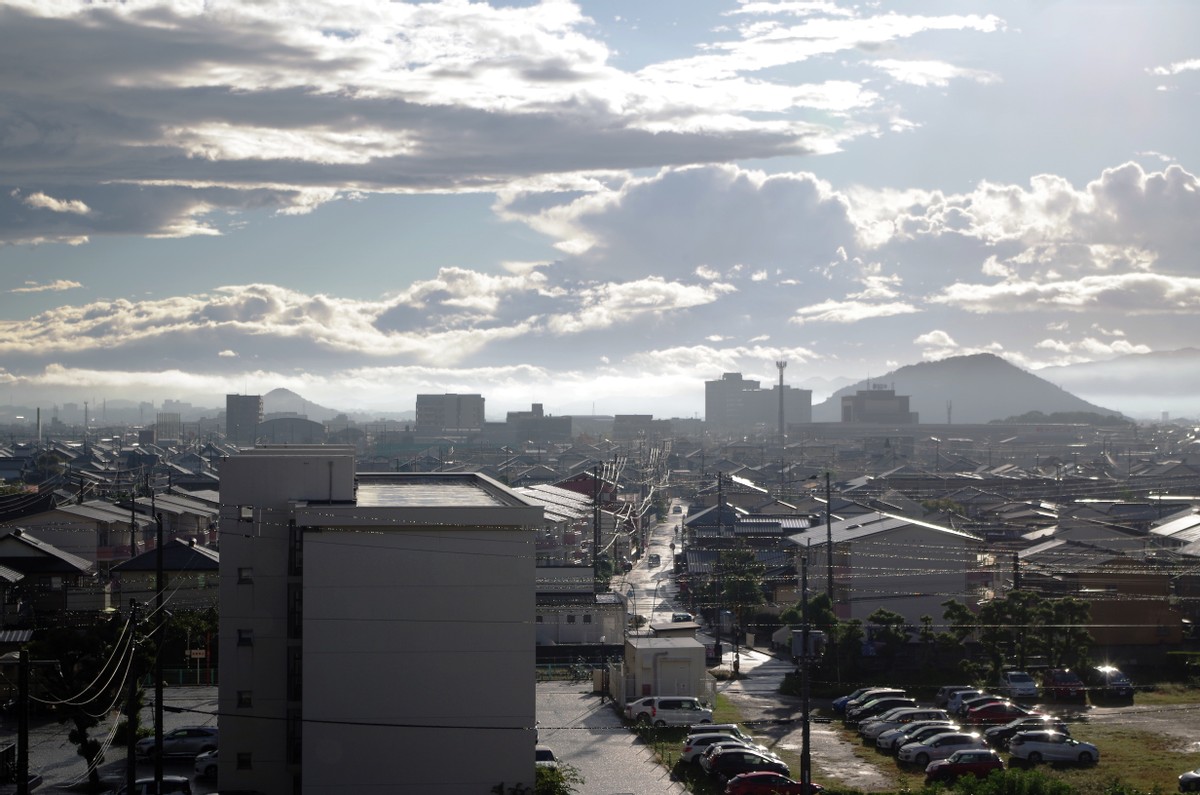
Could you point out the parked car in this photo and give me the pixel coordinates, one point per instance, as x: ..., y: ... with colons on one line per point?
x: 725, y: 763
x: 998, y: 736
x: 1108, y: 682
x: 763, y: 782
x: 1018, y: 684
x: 942, y: 697
x: 891, y: 740
x: 978, y: 762
x: 1063, y: 684
x: 543, y: 756
x: 978, y: 701
x: 653, y: 560
x: 721, y: 728
x: 840, y: 703
x: 1051, y: 746
x: 955, y: 702
x: 675, y: 711
x: 679, y: 618
x: 1190, y: 781
x: 996, y: 713
x: 899, y: 717
x: 939, y: 746
x: 696, y: 744
x: 870, y: 694
x: 170, y: 786
x: 877, y: 706
x: 206, y: 765
x: 185, y: 741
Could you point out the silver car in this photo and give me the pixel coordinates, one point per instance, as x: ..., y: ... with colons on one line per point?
x: 185, y: 741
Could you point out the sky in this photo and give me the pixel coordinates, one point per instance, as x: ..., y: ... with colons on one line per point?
x: 592, y: 205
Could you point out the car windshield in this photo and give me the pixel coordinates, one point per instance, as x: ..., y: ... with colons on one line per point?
x: 1020, y: 677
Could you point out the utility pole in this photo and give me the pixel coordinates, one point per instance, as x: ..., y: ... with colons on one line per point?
x: 131, y: 705
x: 828, y: 540
x: 805, y: 756
x: 160, y: 637
x: 782, y: 428
x: 23, y: 723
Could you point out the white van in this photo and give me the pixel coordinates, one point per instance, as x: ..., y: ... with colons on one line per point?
x: 668, y: 711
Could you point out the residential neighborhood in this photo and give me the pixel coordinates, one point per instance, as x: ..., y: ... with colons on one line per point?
x: 422, y: 556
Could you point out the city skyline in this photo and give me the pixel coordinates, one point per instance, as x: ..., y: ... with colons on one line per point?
x: 596, y: 206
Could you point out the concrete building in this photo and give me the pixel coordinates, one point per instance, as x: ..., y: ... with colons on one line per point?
x: 243, y: 413
x: 883, y: 560
x: 368, y: 618
x: 449, y: 415
x: 878, y: 405
x: 734, y: 405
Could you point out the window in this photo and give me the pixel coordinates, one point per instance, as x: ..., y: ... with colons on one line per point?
x: 245, y: 513
x: 245, y: 637
x: 570, y: 618
x: 587, y: 618
x: 245, y: 761
x: 245, y: 575
x: 539, y: 619
x: 245, y: 699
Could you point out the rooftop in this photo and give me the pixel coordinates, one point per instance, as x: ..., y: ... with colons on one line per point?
x: 431, y: 491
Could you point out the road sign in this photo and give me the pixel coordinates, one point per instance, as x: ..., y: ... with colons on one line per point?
x: 197, y: 654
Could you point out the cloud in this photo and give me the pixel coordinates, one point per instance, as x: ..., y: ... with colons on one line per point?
x: 214, y: 109
x: 56, y: 286
x: 1128, y: 294
x: 850, y: 311
x: 1178, y: 67
x: 931, y: 73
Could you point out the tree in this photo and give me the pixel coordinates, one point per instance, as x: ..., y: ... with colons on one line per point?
x: 562, y: 780
x: 888, y: 631
x: 94, y: 661
x: 1066, y: 638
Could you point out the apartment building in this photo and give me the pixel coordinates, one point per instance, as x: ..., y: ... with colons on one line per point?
x: 372, y: 619
x: 243, y: 413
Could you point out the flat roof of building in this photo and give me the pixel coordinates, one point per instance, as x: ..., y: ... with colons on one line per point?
x: 432, y: 491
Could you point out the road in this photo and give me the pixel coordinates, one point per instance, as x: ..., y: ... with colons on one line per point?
x: 53, y: 756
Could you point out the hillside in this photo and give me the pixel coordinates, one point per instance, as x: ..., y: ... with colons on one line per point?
x: 979, y: 388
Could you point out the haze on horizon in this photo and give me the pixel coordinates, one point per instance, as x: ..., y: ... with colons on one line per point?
x: 581, y: 204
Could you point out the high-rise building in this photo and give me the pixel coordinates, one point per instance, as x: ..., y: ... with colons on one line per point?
x: 877, y: 404
x: 370, y: 616
x: 243, y: 413
x: 737, y: 405
x: 450, y: 415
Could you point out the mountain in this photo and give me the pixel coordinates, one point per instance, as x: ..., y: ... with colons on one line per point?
x: 285, y: 401
x: 978, y: 389
x: 1143, y: 384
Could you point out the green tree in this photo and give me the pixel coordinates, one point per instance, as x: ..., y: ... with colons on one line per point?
x: 94, y: 661
x: 1067, y: 640
x: 741, y: 581
x: 888, y: 631
x: 562, y: 780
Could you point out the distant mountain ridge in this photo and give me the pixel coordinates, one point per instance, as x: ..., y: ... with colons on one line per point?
x: 978, y: 388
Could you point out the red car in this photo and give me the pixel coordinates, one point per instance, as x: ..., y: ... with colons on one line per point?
x: 996, y: 713
x: 1062, y: 684
x: 767, y: 783
x: 978, y: 762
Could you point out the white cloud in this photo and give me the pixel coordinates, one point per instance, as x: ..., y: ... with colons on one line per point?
x: 1191, y: 65
x: 43, y: 202
x: 850, y: 311
x: 56, y: 286
x: 1128, y: 294
x: 931, y: 73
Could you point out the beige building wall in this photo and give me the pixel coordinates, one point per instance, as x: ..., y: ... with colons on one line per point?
x: 372, y: 618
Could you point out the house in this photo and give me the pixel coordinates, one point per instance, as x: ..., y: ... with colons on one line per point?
x: 665, y: 665
x: 900, y: 563
x: 94, y: 530
x: 52, y: 580
x: 191, y: 575
x: 368, y: 617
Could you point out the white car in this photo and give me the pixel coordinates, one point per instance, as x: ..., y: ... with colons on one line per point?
x: 1018, y: 684
x: 954, y: 703
x: 939, y: 746
x: 696, y: 744
x: 668, y: 711
x: 543, y: 756
x: 206, y: 765
x: 1051, y: 746
x: 898, y: 717
x: 892, y: 739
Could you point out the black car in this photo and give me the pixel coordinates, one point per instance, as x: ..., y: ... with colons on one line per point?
x: 876, y: 707
x: 732, y: 761
x: 1108, y: 682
